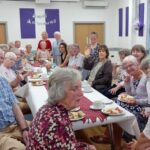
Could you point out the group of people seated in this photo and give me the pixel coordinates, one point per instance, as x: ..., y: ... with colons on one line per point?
x: 51, y: 127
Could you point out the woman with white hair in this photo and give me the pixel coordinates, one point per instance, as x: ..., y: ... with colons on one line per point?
x: 51, y: 128
x: 135, y: 85
x: 144, y: 140
x: 44, y: 36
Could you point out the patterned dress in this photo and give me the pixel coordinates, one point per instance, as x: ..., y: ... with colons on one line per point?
x: 51, y: 129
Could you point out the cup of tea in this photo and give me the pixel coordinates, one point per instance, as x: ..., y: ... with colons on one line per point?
x: 98, y: 104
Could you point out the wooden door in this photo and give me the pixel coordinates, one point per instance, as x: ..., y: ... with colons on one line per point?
x: 3, y: 38
x: 83, y: 30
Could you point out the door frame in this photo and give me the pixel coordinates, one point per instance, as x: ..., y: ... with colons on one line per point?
x: 6, y: 25
x: 88, y: 22
x: 148, y: 27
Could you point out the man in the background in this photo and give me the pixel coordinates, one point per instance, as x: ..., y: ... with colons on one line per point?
x: 76, y: 61
x: 55, y: 50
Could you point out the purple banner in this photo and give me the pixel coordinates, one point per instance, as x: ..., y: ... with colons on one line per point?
x: 27, y: 23
x: 141, y: 19
x: 52, y: 21
x: 120, y: 21
x: 127, y: 21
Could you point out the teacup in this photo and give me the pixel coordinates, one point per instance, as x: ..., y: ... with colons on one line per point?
x: 98, y: 104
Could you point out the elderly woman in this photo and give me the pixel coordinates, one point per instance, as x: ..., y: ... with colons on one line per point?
x: 139, y: 52
x: 51, y: 128
x: 101, y: 74
x: 135, y: 85
x: 43, y: 53
x: 144, y: 140
x: 44, y: 36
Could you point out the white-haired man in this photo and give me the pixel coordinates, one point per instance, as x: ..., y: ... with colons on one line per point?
x: 13, y: 126
x: 55, y: 48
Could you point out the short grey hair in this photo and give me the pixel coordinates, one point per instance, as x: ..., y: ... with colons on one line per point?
x: 10, y: 55
x: 125, y: 52
x: 128, y: 59
x: 57, y: 83
x: 145, y: 64
x: 57, y: 33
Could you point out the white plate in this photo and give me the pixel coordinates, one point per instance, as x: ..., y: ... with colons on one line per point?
x: 87, y: 91
x: 76, y: 119
x: 112, y: 114
x: 96, y: 108
x: 108, y: 101
x: 75, y: 109
x: 34, y: 79
x: 38, y: 84
x: 126, y: 100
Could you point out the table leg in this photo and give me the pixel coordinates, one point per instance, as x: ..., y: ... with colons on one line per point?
x: 111, y: 132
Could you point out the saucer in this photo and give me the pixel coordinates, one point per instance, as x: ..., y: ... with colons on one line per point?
x: 96, y: 108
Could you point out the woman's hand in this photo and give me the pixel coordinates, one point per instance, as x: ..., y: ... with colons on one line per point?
x: 131, y: 145
x: 25, y: 137
x: 113, y: 90
x: 87, y: 52
x: 126, y: 79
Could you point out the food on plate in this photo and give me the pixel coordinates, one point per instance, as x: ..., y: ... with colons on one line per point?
x: 35, y: 76
x: 76, y: 115
x: 126, y: 98
x: 38, y: 83
x: 113, y: 110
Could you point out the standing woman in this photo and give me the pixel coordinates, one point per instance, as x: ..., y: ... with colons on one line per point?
x: 64, y: 55
x: 139, y: 52
x: 101, y: 74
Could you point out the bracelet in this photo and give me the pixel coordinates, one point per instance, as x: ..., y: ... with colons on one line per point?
x: 25, y: 129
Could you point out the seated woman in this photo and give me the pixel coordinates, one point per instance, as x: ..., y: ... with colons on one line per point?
x: 51, y: 128
x: 29, y: 53
x: 64, y: 54
x: 118, y: 75
x: 101, y: 74
x: 143, y: 143
x: 135, y: 85
x: 139, y: 52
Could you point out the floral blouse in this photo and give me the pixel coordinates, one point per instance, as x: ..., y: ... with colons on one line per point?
x: 51, y: 129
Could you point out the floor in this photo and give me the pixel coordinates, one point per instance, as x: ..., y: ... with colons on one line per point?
x: 84, y: 135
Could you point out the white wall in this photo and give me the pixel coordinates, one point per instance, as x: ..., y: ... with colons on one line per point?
x: 70, y: 13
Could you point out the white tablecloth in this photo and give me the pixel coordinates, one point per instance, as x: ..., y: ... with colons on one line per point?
x: 37, y: 96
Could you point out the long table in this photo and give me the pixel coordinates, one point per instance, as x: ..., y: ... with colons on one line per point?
x: 37, y: 96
